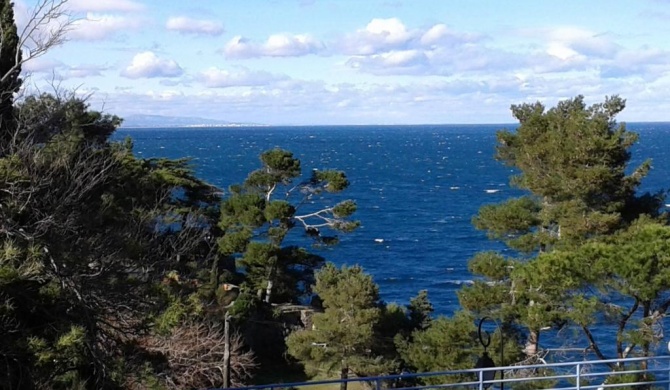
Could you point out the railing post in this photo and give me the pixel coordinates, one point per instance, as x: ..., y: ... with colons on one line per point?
x: 481, y: 379
x: 377, y: 386
x: 578, y: 376
x: 226, y: 351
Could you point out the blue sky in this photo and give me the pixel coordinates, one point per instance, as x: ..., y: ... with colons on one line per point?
x: 359, y: 61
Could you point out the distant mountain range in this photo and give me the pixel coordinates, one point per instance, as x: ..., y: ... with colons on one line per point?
x: 135, y: 121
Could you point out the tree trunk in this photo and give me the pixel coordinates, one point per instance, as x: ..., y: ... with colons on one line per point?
x: 344, y: 374
x: 226, y: 351
x: 532, y: 343
x: 646, y: 344
x: 268, y: 292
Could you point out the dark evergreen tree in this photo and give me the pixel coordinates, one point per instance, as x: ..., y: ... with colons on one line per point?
x: 10, y: 70
x: 420, y: 311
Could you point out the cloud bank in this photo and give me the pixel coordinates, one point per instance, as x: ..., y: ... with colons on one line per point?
x: 277, y: 45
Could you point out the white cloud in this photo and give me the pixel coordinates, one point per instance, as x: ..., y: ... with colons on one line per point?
x: 185, y: 25
x: 569, y: 42
x: 278, y: 45
x: 41, y: 65
x: 101, y: 26
x: 388, y: 47
x: 56, y: 70
x: 561, y: 51
x: 456, y: 99
x: 441, y: 35
x: 395, y: 62
x: 390, y: 30
x: 646, y: 63
x: 149, y: 65
x: 378, y: 36
x: 105, y: 5
x: 221, y: 78
x: 434, y: 34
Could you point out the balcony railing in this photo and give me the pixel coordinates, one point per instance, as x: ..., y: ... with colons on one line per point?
x: 634, y: 373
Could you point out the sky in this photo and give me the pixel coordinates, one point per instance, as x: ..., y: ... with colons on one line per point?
x: 311, y: 62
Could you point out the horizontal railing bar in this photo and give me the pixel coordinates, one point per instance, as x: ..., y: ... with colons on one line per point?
x: 653, y: 362
x: 618, y: 385
x: 613, y: 373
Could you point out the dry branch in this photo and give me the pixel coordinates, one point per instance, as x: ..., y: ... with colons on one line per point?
x: 195, y: 356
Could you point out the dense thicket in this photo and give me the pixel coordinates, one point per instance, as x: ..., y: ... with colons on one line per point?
x: 88, y: 233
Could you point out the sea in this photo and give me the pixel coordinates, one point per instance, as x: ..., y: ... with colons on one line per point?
x: 417, y: 188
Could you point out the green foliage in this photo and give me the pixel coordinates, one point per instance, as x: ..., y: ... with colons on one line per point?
x: 629, y: 268
x: 447, y: 344
x: 234, y: 242
x: 344, y: 338
x: 255, y: 222
x: 336, y: 181
x: 89, y: 232
x: 279, y: 167
x: 420, y: 311
x: 344, y: 209
x: 243, y: 210
x: 245, y: 306
x: 280, y: 210
x: 573, y: 161
x: 46, y: 116
x: 640, y: 377
x: 514, y: 221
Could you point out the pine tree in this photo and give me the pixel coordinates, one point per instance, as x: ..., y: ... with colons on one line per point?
x: 447, y: 344
x: 420, y: 310
x: 620, y: 282
x: 344, y: 337
x: 257, y: 216
x: 573, y: 163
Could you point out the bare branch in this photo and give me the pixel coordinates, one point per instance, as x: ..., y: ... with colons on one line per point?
x: 195, y: 356
x: 47, y: 26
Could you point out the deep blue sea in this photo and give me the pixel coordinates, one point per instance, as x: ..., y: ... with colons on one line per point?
x: 417, y: 188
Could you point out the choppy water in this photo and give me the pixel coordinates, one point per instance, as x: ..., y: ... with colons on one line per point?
x: 417, y: 188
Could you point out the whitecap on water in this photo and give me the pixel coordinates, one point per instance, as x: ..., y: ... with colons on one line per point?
x: 459, y: 282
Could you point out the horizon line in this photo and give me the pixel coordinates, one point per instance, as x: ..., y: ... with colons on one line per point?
x: 235, y: 125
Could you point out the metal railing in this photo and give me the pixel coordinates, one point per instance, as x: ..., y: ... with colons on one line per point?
x: 633, y: 373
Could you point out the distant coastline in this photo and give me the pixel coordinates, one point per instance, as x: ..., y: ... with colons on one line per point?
x: 162, y: 121
x: 133, y: 122
x: 195, y: 126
